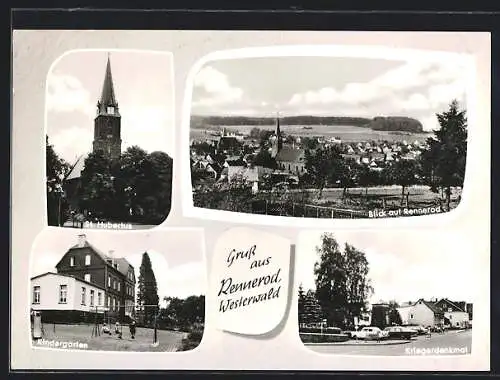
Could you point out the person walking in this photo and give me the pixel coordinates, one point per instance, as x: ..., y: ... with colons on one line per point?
x: 132, y: 328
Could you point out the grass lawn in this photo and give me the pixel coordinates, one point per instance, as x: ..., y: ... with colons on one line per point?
x: 168, y: 340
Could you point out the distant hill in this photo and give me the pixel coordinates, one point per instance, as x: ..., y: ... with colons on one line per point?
x: 390, y: 123
x: 396, y: 123
x: 288, y: 120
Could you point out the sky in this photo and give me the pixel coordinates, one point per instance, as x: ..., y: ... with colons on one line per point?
x: 338, y: 86
x: 403, y: 266
x: 176, y: 255
x: 143, y: 86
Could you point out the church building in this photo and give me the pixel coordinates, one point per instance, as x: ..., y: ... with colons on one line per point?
x: 107, y: 136
x: 288, y: 158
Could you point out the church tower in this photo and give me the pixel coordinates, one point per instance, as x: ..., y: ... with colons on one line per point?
x: 107, y: 124
x: 277, y: 142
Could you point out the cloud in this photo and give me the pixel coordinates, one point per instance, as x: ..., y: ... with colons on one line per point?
x: 141, y: 123
x: 43, y: 262
x: 186, y: 280
x: 65, y: 93
x: 72, y: 142
x: 217, y: 87
x: 416, y: 89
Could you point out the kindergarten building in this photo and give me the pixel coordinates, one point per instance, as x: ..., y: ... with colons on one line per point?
x: 89, y: 285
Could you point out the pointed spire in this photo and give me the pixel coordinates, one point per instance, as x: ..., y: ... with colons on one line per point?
x: 278, y: 133
x: 108, y: 93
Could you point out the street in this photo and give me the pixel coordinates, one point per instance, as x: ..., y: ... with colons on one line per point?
x: 422, y: 345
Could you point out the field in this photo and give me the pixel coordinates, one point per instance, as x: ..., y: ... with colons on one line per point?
x: 344, y: 132
x: 169, y: 341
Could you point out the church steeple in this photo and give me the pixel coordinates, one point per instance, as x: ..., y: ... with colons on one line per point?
x: 107, y: 124
x: 108, y: 105
x: 277, y: 139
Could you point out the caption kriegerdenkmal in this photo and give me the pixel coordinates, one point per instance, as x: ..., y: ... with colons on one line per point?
x: 230, y: 287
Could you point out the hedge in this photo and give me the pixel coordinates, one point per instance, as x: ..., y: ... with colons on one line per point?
x: 323, y: 338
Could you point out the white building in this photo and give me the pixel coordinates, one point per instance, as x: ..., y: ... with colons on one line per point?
x: 59, y: 292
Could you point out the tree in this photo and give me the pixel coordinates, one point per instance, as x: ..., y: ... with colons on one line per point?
x: 184, y: 313
x: 342, y: 286
x: 324, y: 166
x: 98, y: 193
x: 264, y: 158
x: 144, y: 185
x: 366, y: 177
x: 309, y: 308
x: 404, y: 173
x: 147, y: 295
x: 394, y: 316
x: 444, y: 159
x: 56, y: 170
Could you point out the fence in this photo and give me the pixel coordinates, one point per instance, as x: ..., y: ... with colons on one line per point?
x: 301, y: 210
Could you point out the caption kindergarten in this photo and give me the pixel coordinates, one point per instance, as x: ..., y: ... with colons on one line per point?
x: 234, y: 289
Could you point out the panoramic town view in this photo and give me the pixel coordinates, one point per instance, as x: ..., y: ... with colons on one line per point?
x: 357, y: 295
x: 352, y: 150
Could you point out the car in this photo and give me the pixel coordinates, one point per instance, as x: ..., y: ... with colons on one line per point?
x: 421, y: 330
x: 400, y: 332
x: 369, y: 333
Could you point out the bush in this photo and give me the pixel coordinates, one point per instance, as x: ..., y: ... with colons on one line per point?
x: 192, y: 340
x: 318, y: 330
x: 323, y: 338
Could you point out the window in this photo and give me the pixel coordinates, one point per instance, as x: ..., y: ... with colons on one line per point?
x: 111, y: 110
x: 63, y: 293
x: 91, y: 298
x: 36, y: 294
x: 118, y: 286
x: 411, y: 316
x: 87, y: 277
x: 84, y: 295
x: 113, y: 304
x: 87, y: 260
x: 109, y: 301
x: 109, y: 281
x: 99, y: 298
x: 114, y: 284
x: 71, y: 261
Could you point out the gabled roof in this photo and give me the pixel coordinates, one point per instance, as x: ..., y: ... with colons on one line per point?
x: 454, y: 305
x: 289, y: 154
x: 237, y: 162
x: 123, y: 265
x: 101, y: 255
x: 77, y: 168
x: 69, y: 276
x: 431, y: 306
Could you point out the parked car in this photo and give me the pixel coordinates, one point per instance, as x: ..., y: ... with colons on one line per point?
x: 399, y: 332
x: 369, y: 333
x: 437, y: 329
x: 420, y: 330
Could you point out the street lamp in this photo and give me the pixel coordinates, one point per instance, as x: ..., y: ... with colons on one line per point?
x: 60, y: 191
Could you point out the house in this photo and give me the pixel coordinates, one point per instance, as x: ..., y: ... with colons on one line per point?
x: 228, y: 145
x: 425, y: 313
x: 404, y: 312
x: 455, y: 313
x: 115, y: 275
x: 291, y: 160
x: 65, y: 298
